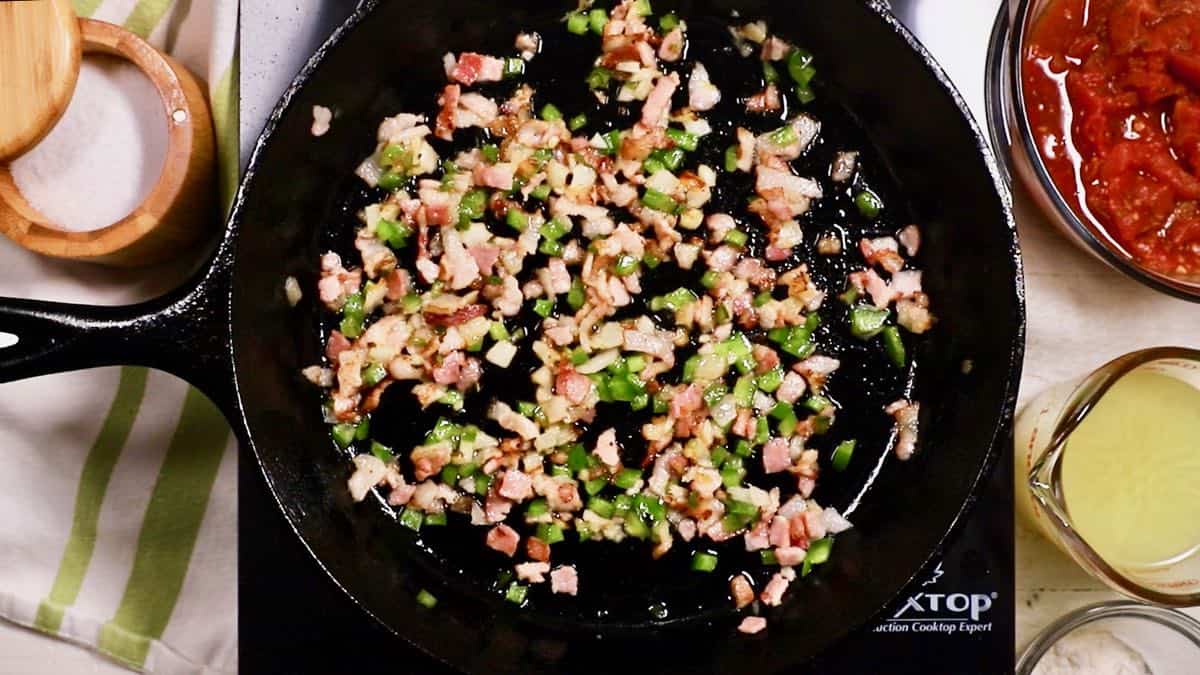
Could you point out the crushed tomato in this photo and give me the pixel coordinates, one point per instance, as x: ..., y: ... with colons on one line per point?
x: 1112, y: 91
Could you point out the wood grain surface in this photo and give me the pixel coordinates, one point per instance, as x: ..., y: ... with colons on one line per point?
x: 38, y: 70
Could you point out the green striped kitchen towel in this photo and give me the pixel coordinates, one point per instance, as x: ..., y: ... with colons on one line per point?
x: 118, y: 488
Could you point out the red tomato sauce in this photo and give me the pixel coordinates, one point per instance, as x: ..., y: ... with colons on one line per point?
x: 1112, y: 91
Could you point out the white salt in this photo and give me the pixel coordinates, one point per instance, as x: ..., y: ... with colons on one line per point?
x: 104, y: 155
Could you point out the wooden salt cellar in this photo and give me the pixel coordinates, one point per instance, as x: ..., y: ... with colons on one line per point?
x: 42, y: 43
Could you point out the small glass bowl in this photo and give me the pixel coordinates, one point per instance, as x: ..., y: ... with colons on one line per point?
x: 1011, y: 134
x: 1168, y: 640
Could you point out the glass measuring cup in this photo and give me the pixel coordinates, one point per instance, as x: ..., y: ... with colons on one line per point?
x: 1041, y: 443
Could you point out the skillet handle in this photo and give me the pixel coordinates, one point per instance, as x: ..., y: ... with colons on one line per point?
x: 185, y: 333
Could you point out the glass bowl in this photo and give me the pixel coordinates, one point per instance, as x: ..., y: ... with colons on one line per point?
x: 1011, y: 132
x: 1169, y: 641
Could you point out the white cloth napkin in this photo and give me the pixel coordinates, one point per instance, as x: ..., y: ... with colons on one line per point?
x: 118, y: 486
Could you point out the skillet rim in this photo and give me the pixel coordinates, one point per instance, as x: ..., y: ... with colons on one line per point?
x: 1007, y: 403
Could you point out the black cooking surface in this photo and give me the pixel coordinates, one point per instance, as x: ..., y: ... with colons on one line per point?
x: 294, y: 620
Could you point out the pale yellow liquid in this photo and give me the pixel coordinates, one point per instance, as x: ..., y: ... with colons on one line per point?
x: 1131, y: 472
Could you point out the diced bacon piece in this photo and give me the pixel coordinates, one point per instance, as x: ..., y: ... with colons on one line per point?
x: 475, y: 110
x: 485, y: 257
x: 792, y: 388
x: 775, y: 456
x: 398, y: 282
x: 532, y: 572
x: 743, y: 593
x: 378, y: 259
x: 513, y: 421
x: 672, y: 46
x: 907, y: 417
x: 574, y: 386
x: 687, y: 401
x: 776, y: 254
x: 537, y: 549
x: 757, y: 538
x: 722, y: 258
x: 394, y: 127
x: 499, y: 176
x: 447, y: 104
x: 429, y: 459
x: 564, y: 580
x: 459, y: 265
x: 775, y: 49
x: 799, y: 530
x: 607, y: 449
x: 702, y: 93
x: 336, y: 281
x: 504, y: 539
x: 516, y: 486
x: 719, y: 225
x: 744, y: 424
x: 470, y: 68
x: 793, y: 193
x: 510, y: 298
x: 910, y: 239
x: 329, y: 289
x: 805, y: 486
x: 450, y: 369
x: 496, y: 508
x: 906, y: 283
x: 457, y: 318
x: 814, y: 524
x: 817, y: 369
x: 336, y: 345
x: 884, y: 252
x: 773, y: 594
x: 620, y: 194
x: 754, y: 271
x: 560, y: 278
x: 789, y: 556
x: 399, y: 496
x: 542, y: 134
x: 752, y: 625
x: 881, y: 293
x: 645, y: 52
x: 428, y: 269
x: 620, y: 294
x: 369, y: 471
x: 781, y: 532
x: 658, y: 103
x: 436, y: 204
x: 766, y: 100
x: 687, y: 529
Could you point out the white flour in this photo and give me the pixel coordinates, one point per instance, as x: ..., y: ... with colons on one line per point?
x: 1091, y: 652
x: 104, y: 155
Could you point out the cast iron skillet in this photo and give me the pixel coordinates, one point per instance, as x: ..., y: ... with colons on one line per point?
x: 231, y: 333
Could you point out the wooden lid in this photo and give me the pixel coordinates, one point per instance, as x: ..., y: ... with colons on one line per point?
x: 41, y: 46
